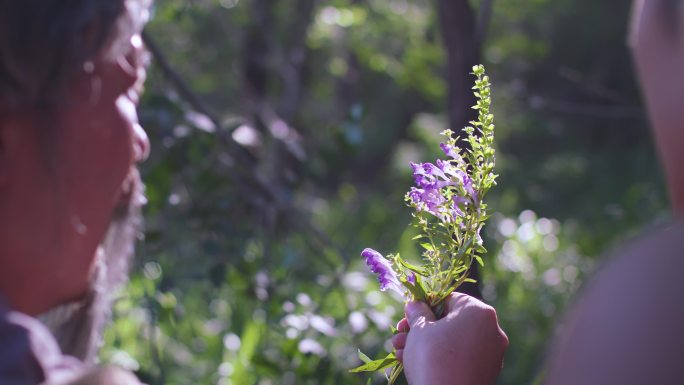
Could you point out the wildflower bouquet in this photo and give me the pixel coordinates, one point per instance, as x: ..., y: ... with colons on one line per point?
x: 449, y: 212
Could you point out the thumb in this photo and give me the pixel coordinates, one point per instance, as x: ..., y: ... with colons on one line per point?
x: 418, y: 313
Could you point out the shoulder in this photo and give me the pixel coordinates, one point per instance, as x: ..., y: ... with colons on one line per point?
x: 18, y: 364
x: 627, y: 325
x: 29, y: 354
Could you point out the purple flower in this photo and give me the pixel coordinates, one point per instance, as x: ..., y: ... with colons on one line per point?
x: 427, y: 199
x: 448, y: 150
x: 420, y: 175
x: 411, y: 278
x: 430, y: 177
x: 433, y: 171
x: 418, y: 172
x: 468, y: 186
x: 449, y: 170
x: 415, y: 197
x: 417, y: 169
x: 478, y: 237
x: 456, y: 211
x: 381, y: 266
x: 451, y: 152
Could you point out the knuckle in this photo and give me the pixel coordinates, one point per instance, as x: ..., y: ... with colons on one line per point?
x: 108, y: 375
x: 488, y: 314
x: 504, y: 339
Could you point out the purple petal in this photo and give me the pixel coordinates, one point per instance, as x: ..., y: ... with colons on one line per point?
x: 379, y: 265
x: 417, y: 169
x: 450, y: 171
x: 434, y: 171
x: 455, y: 209
x: 450, y: 151
x: 468, y: 186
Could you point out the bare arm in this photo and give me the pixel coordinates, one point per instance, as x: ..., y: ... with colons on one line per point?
x: 627, y: 326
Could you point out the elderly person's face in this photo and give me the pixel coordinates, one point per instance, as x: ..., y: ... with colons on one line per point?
x: 657, y: 40
x: 66, y: 178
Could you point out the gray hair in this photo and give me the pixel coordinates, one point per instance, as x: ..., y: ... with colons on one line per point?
x: 78, y: 326
x: 44, y: 43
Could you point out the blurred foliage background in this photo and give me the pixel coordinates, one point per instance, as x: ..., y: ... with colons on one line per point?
x: 282, y: 132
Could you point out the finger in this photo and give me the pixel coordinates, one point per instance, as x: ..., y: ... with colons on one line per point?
x: 400, y: 355
x: 403, y: 326
x: 418, y: 313
x: 399, y: 340
x: 107, y: 375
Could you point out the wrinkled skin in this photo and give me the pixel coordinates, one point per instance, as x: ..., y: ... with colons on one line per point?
x: 63, y: 174
x: 466, y: 346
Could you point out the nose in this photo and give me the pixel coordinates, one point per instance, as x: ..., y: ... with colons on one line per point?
x: 141, y: 143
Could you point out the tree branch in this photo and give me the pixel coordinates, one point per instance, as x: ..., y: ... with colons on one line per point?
x: 245, y: 162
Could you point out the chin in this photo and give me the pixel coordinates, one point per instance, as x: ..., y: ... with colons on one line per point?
x: 78, y: 326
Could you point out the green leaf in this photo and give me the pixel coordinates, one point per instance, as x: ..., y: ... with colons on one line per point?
x: 416, y: 269
x: 418, y: 237
x: 377, y: 365
x: 419, y: 282
x: 458, y: 270
x: 427, y: 246
x: 447, y: 292
x: 464, y: 248
x: 250, y: 340
x: 416, y: 290
x: 364, y: 357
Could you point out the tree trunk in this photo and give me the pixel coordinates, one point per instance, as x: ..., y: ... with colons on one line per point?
x: 458, y: 25
x: 462, y: 35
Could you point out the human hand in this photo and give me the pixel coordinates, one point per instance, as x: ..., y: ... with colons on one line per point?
x: 103, y: 375
x: 466, y: 346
